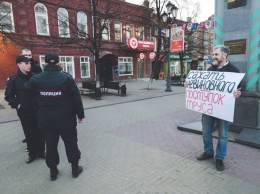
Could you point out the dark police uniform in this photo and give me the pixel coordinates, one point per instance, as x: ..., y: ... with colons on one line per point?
x: 16, y: 94
x: 35, y: 68
x: 59, y: 103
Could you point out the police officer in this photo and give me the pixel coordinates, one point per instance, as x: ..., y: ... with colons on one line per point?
x: 25, y: 103
x: 35, y: 68
x: 59, y: 104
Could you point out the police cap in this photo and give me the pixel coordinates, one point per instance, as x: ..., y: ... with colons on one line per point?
x: 22, y: 58
x: 51, y: 58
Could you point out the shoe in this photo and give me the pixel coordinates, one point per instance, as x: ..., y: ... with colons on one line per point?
x: 54, y: 174
x: 30, y: 159
x: 77, y: 171
x: 204, y: 156
x: 24, y: 141
x: 220, y: 165
x: 26, y: 150
x: 43, y: 156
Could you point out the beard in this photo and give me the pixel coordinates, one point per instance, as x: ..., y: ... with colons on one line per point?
x: 215, y: 63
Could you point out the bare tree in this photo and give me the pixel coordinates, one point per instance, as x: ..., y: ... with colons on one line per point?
x: 185, y: 7
x: 188, y: 8
x: 7, y: 29
x: 102, y: 13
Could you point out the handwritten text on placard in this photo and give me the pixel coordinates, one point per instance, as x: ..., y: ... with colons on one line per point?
x: 211, y: 93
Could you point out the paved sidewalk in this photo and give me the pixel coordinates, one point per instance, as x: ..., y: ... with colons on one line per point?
x: 136, y: 90
x: 130, y: 145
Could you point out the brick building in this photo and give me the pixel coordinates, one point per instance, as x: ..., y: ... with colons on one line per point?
x: 203, y: 41
x: 63, y: 27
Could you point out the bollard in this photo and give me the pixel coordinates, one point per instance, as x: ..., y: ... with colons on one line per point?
x: 123, y: 90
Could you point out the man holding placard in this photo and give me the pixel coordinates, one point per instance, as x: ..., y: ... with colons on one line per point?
x: 209, y: 92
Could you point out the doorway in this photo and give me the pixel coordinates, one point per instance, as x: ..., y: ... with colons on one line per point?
x: 140, y: 68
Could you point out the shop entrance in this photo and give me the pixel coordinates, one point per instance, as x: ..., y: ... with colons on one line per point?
x: 140, y: 68
x: 107, y: 63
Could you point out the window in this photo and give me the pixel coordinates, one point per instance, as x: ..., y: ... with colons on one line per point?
x: 6, y: 17
x: 153, y: 39
x: 205, y: 44
x: 82, y: 24
x: 42, y: 61
x: 63, y: 22
x: 67, y: 64
x: 84, y: 67
x: 41, y: 18
x: 140, y: 33
x: 206, y: 37
x: 106, y: 30
x: 125, y: 66
x: 176, y: 68
x: 118, y: 32
x: 129, y: 31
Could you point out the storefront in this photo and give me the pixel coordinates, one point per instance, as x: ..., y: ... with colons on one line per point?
x: 175, y: 65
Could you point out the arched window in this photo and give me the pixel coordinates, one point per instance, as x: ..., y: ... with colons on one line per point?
x: 82, y: 24
x: 63, y: 22
x: 6, y: 17
x: 41, y: 18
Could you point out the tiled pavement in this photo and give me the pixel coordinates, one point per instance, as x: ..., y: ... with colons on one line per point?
x: 130, y: 145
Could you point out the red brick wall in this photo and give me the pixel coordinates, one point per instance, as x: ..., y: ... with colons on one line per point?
x: 24, y: 20
x: 8, y: 65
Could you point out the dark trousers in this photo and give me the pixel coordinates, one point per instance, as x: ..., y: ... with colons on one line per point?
x: 69, y: 137
x: 34, y: 136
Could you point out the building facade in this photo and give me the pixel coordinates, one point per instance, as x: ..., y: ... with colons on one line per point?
x: 203, y: 39
x: 65, y: 26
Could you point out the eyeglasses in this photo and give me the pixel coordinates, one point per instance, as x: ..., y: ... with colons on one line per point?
x: 28, y: 55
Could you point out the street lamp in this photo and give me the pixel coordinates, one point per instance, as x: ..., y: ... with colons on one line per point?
x: 171, y: 10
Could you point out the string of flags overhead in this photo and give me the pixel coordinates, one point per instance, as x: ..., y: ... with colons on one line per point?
x: 194, y: 26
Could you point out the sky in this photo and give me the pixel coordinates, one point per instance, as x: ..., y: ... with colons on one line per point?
x: 207, y: 8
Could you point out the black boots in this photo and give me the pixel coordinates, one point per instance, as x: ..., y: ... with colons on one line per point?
x: 76, y: 169
x: 54, y: 173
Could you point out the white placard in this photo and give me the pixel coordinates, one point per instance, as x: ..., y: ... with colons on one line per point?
x: 211, y: 93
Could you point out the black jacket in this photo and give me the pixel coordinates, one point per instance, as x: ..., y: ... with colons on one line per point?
x: 58, y: 98
x: 34, y: 67
x: 227, y: 68
x: 16, y: 93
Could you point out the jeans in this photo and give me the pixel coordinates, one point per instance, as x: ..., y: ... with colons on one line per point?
x: 208, y: 123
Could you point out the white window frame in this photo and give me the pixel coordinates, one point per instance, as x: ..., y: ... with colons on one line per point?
x: 106, y: 30
x: 124, y: 62
x: 140, y: 33
x: 66, y: 64
x: 84, y: 60
x: 82, y: 21
x: 44, y: 16
x: 129, y: 31
x: 42, y: 61
x: 63, y: 22
x: 154, y: 39
x: 118, y: 31
x: 7, y: 15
